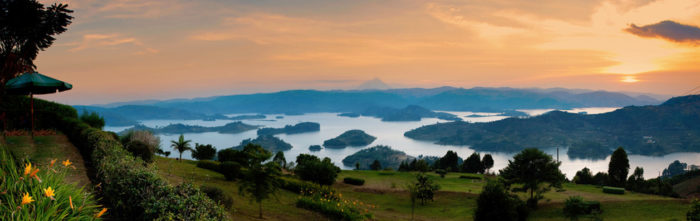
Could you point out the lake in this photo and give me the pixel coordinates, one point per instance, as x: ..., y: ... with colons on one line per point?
x: 391, y: 134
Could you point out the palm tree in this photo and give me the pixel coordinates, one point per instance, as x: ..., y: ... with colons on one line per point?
x: 181, y: 145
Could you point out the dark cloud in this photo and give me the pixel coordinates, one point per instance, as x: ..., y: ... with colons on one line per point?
x: 669, y: 30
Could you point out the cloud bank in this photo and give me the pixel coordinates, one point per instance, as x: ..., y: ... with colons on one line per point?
x: 668, y: 30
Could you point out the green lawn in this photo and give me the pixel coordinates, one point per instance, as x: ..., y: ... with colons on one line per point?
x: 455, y: 201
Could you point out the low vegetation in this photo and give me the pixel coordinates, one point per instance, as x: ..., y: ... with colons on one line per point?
x: 350, y: 138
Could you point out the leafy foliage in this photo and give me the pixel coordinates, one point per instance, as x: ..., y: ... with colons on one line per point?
x: 376, y: 165
x: 575, y: 206
x: 386, y: 156
x: 93, y: 119
x: 496, y: 203
x: 694, y: 212
x: 532, y: 168
x: 584, y: 176
x: 449, y: 162
x: 218, y: 195
x: 268, y: 142
x: 181, y: 145
x: 310, y: 168
x: 618, y: 168
x: 675, y: 168
x: 613, y: 190
x: 425, y: 188
x: 487, y: 162
x: 141, y: 143
x: 473, y: 164
x: 203, y: 152
x: 354, y: 181
x: 259, y: 180
x: 280, y: 160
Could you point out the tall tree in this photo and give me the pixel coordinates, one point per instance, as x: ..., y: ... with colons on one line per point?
x: 181, y: 145
x: 675, y: 168
x: 618, y: 168
x: 532, y: 168
x: 449, y: 162
x: 280, y: 160
x: 488, y: 162
x: 496, y: 203
x: 376, y: 165
x: 473, y: 164
x: 259, y: 180
x: 321, y: 172
x: 636, y: 181
x: 27, y: 27
x: 584, y: 176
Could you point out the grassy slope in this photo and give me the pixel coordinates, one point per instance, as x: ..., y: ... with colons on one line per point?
x: 45, y: 148
x: 455, y: 201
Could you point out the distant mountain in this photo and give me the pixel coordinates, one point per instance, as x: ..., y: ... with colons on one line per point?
x: 374, y: 84
x: 295, y: 102
x: 673, y: 126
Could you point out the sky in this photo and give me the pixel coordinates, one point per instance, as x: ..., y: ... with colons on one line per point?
x: 125, y: 50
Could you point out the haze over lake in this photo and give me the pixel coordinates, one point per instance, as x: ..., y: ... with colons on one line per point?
x: 391, y: 134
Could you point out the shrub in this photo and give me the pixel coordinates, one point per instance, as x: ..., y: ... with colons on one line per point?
x: 134, y: 191
x: 15, y: 185
x: 298, y: 186
x: 93, y: 119
x: 141, y: 149
x: 203, y: 152
x: 694, y: 212
x: 209, y: 165
x: 218, y: 196
x: 230, y: 170
x: 333, y: 206
x: 575, y: 207
x: 495, y: 203
x: 441, y: 172
x: 613, y: 190
x: 354, y: 181
x: 471, y: 177
x: 310, y: 168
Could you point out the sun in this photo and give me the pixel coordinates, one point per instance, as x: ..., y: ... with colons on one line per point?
x: 630, y: 79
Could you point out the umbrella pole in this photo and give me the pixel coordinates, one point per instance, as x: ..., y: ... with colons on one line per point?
x: 31, y: 97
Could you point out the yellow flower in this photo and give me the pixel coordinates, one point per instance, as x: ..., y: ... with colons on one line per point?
x: 27, y: 168
x: 52, y: 162
x: 67, y: 163
x: 102, y: 212
x: 48, y: 192
x: 26, y: 199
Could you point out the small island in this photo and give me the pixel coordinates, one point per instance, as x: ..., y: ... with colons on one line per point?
x: 315, y: 148
x: 387, y: 157
x: 230, y: 128
x: 351, y: 115
x: 408, y: 113
x: 248, y: 117
x: 350, y: 138
x: 303, y: 127
x: 268, y: 142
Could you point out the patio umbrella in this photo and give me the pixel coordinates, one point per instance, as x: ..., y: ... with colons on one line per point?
x: 35, y: 83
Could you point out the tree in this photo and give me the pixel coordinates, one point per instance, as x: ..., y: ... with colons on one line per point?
x: 375, y: 165
x: 93, y: 119
x: 181, y: 145
x: 636, y: 181
x: 203, y: 152
x: 321, y: 172
x: 27, y: 27
x: 532, y: 168
x: 496, y: 203
x: 280, y: 160
x: 584, y: 176
x: 694, y: 212
x: 473, y: 164
x: 675, y: 168
x: 618, y: 168
x: 425, y: 187
x: 259, y: 180
x: 449, y: 162
x: 488, y: 162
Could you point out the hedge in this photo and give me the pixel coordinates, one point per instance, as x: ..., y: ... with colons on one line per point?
x: 209, y: 165
x: 354, y: 181
x: 132, y: 190
x: 471, y: 177
x: 613, y: 190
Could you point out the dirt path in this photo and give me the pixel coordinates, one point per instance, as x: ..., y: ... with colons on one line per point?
x: 45, y: 148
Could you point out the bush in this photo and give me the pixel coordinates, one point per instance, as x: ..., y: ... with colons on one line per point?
x: 613, y: 190
x: 495, y: 203
x: 141, y: 149
x: 132, y: 190
x: 209, y: 165
x: 93, y: 119
x: 694, y: 212
x: 297, y: 186
x: 230, y: 170
x: 575, y: 206
x: 218, y: 196
x: 441, y: 172
x: 354, y: 181
x: 203, y: 152
x: 471, y: 177
x: 331, y: 205
x: 310, y: 168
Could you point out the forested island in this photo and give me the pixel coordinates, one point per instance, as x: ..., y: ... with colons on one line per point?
x: 644, y: 130
x: 302, y: 127
x: 230, y: 128
x: 350, y: 138
x: 387, y: 157
x: 408, y: 113
x: 268, y: 142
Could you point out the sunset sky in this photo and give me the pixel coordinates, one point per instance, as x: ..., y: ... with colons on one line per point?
x: 159, y: 49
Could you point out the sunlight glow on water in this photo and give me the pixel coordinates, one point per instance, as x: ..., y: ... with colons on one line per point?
x: 391, y: 134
